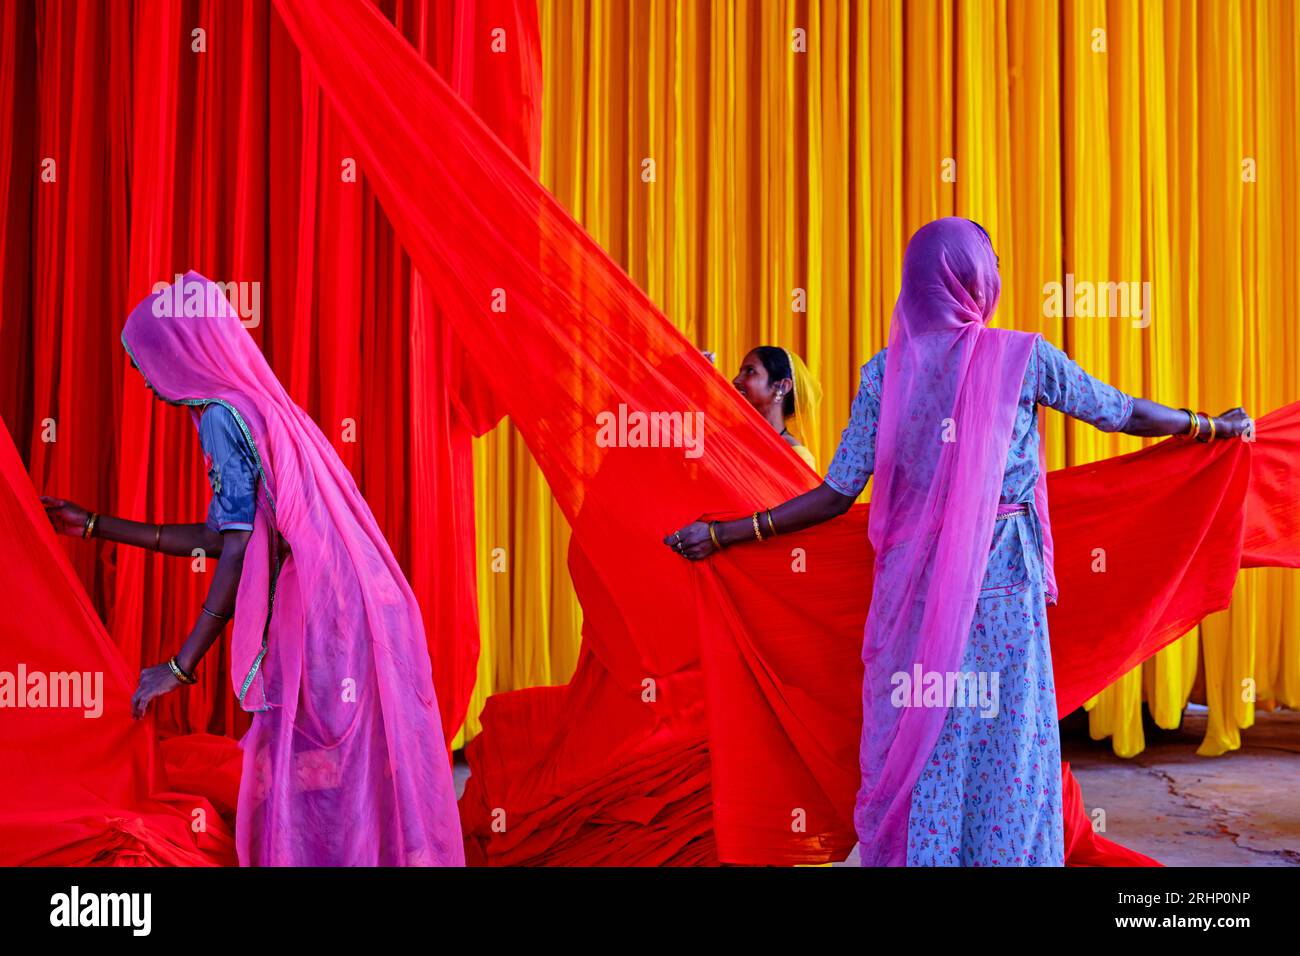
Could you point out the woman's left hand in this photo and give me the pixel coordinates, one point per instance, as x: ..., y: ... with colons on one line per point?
x: 1234, y: 424
x: 154, y: 682
x: 692, y: 542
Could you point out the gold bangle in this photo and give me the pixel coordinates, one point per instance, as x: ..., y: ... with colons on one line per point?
x: 1211, y: 428
x: 713, y: 535
x: 90, y: 525
x: 181, y: 676
x: 771, y: 528
x: 757, y: 533
x: 1193, y: 426
x: 157, y: 538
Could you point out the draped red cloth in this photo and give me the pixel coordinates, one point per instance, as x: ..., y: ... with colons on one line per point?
x: 611, y: 767
x: 698, y: 723
x: 1167, y: 521
x: 128, y: 157
x: 84, y: 784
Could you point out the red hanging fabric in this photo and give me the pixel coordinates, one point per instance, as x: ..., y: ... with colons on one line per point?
x: 621, y: 765
x: 18, y: 172
x: 78, y: 249
x: 84, y: 782
x: 133, y: 149
x: 613, y: 767
x: 450, y: 404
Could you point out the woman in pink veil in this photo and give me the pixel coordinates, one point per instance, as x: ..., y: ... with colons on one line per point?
x: 344, y: 764
x: 960, y: 753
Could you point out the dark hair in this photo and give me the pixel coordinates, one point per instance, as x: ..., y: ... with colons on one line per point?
x: 778, y: 367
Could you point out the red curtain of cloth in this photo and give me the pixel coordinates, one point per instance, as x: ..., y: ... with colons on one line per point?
x: 141, y: 140
x: 616, y: 765
x: 84, y: 782
x: 625, y: 754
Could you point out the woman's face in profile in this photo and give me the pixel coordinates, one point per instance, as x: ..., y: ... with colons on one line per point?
x: 753, y: 383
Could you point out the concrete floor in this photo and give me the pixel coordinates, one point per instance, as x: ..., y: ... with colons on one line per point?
x: 1241, y: 809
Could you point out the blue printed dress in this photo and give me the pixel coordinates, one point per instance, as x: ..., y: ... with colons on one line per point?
x: 990, y: 794
x: 232, y: 470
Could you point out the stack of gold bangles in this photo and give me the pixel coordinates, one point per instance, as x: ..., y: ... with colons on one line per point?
x: 758, y: 528
x: 89, y: 530
x: 1194, y: 425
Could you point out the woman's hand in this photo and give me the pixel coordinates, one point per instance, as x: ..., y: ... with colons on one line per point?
x: 1233, y: 424
x: 154, y: 682
x: 66, y: 517
x: 692, y: 542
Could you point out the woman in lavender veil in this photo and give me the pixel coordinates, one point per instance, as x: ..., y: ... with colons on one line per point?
x: 960, y: 755
x: 345, y: 762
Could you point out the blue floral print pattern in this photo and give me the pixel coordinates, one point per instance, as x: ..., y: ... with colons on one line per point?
x: 990, y: 793
x: 1052, y: 378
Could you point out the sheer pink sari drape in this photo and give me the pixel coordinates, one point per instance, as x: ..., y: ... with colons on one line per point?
x: 951, y: 389
x: 344, y: 763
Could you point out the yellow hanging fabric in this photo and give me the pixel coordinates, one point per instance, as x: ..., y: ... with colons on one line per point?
x: 758, y: 166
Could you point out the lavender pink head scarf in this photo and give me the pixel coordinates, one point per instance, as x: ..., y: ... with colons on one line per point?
x: 951, y: 390
x: 344, y: 763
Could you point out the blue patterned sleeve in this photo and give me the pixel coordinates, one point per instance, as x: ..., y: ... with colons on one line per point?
x: 855, y: 458
x: 1066, y: 387
x: 231, y: 471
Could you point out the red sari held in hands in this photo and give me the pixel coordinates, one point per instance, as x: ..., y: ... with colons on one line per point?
x: 599, y: 770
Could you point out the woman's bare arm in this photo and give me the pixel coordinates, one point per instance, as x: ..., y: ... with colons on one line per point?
x: 1152, y: 420
x: 823, y: 503
x: 177, y: 539
x: 803, y: 511
x: 220, y: 602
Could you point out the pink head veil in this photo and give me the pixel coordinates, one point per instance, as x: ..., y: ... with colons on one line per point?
x: 951, y: 390
x: 204, y: 355
x: 192, y: 349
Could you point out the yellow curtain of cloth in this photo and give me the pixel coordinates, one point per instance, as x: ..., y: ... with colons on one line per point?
x: 758, y: 165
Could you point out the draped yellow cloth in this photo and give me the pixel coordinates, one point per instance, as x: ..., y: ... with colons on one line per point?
x: 758, y: 165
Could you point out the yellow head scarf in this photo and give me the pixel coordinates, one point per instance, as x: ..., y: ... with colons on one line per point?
x: 807, y: 398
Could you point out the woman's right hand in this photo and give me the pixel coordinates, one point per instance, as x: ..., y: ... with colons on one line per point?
x: 692, y: 542
x: 66, y: 517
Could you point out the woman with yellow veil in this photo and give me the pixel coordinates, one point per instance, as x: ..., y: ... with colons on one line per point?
x: 778, y: 384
